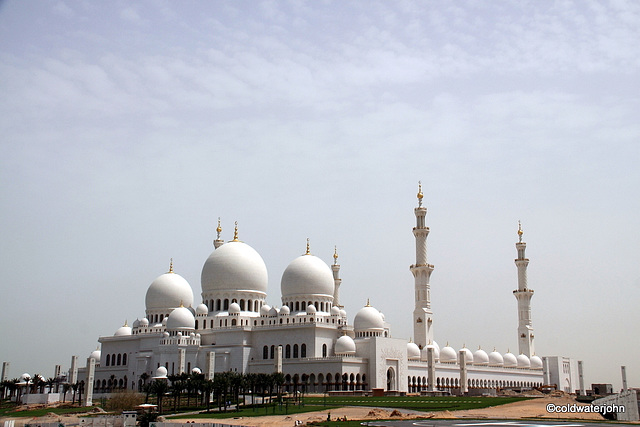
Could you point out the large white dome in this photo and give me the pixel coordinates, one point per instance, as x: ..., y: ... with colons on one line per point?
x: 181, y: 318
x: 307, y: 275
x: 234, y: 266
x: 368, y: 319
x: 345, y: 345
x: 168, y: 291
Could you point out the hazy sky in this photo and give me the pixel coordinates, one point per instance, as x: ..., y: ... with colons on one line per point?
x: 128, y: 128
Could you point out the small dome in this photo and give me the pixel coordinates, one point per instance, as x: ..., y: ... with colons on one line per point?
x: 181, y: 318
x: 335, y: 310
x: 536, y: 362
x: 264, y: 310
x: 136, y: 323
x: 343, y: 313
x: 496, y: 359
x: 448, y: 355
x: 273, y: 312
x: 285, y: 311
x: 234, y: 266
x: 480, y: 357
x: 202, y: 309
x: 25, y: 377
x: 165, y: 334
x: 198, y: 335
x: 123, y: 331
x: 192, y: 335
x: 168, y: 290
x: 95, y: 355
x: 368, y: 319
x: 161, y: 373
x: 413, y: 351
x: 234, y: 308
x: 144, y: 322
x: 510, y: 360
x: 523, y: 361
x: 307, y: 275
x: 436, y: 351
x: 468, y: 356
x: 311, y: 309
x: 196, y: 370
x: 345, y: 345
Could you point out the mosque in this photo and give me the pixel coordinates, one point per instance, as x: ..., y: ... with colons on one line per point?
x: 309, y: 338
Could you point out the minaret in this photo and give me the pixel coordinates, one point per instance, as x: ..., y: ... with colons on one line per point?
x: 336, y: 278
x: 422, y: 314
x: 523, y: 295
x: 218, y: 242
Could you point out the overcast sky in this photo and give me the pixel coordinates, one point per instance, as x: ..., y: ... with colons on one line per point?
x: 128, y: 128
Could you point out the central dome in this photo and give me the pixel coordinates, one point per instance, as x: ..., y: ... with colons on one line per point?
x: 307, y: 275
x: 234, y: 266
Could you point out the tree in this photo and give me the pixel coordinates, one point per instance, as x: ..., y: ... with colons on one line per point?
x: 159, y: 387
x: 74, y: 387
x: 144, y: 377
x: 65, y: 388
x: 207, y: 388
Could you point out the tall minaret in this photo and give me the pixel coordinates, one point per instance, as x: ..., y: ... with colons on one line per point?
x: 523, y: 295
x: 422, y: 314
x: 336, y: 278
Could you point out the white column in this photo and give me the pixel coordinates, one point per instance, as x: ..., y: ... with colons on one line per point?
x: 73, y: 372
x: 431, y: 369
x: 464, y: 388
x: 181, y: 360
x: 5, y: 371
x: 210, y: 363
x: 623, y: 370
x: 279, y: 359
x: 88, y: 382
x: 581, y: 378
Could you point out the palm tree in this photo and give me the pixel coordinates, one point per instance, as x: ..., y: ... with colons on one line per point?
x: 144, y: 377
x: 207, y: 388
x: 159, y: 387
x: 65, y: 388
x: 74, y: 387
x: 278, y: 381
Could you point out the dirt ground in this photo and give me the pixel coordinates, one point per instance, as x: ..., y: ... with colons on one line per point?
x: 533, y: 408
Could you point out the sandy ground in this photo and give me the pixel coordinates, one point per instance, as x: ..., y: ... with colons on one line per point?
x: 534, y: 408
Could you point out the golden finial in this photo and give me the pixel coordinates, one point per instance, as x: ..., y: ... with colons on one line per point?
x: 219, y: 229
x: 181, y: 303
x: 420, y: 195
x: 335, y: 255
x: 235, y: 233
x: 368, y: 305
x: 171, y: 266
x: 520, y: 232
x: 125, y: 323
x: 308, y: 248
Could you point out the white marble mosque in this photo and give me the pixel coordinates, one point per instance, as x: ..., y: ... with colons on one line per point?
x: 233, y: 329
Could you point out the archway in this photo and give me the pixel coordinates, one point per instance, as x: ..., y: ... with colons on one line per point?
x: 391, y: 379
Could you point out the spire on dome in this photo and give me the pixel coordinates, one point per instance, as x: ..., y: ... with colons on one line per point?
x: 235, y: 233
x: 335, y: 255
x: 420, y: 195
x: 308, y: 248
x: 171, y: 266
x: 125, y: 323
x: 219, y: 229
x: 368, y: 305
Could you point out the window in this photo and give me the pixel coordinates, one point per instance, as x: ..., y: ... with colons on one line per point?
x: 108, y: 359
x: 124, y: 359
x: 265, y: 352
x: 303, y: 350
x: 287, y: 352
x: 324, y: 350
x: 273, y: 349
x: 295, y: 351
x: 119, y: 359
